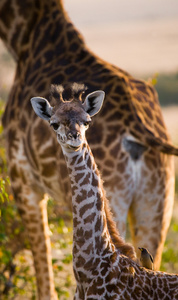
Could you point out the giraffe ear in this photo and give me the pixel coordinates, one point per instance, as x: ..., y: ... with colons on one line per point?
x: 42, y: 107
x: 94, y: 102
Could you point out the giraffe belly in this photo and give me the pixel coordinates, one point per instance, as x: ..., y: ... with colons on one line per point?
x: 134, y: 148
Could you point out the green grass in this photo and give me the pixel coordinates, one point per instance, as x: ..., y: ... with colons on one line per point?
x: 170, y: 253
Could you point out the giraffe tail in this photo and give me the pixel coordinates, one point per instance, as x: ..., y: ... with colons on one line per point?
x: 161, y: 146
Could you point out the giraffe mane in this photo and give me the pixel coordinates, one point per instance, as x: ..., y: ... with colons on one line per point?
x: 124, y: 248
x: 120, y: 244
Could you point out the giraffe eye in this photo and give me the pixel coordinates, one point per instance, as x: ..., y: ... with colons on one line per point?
x: 55, y: 126
x: 87, y: 123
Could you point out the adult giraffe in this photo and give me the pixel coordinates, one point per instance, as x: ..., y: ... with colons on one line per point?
x: 128, y: 139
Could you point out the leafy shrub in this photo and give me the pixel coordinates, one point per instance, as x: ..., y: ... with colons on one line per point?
x: 167, y: 88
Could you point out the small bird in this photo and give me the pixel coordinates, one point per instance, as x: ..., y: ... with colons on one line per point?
x: 146, y: 258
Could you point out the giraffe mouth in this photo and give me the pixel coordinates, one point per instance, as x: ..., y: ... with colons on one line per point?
x: 75, y: 148
x: 63, y: 141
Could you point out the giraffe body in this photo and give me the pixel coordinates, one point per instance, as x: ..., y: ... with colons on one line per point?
x: 101, y: 269
x: 129, y: 136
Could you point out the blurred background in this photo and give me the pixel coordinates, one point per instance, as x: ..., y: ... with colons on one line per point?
x: 140, y: 37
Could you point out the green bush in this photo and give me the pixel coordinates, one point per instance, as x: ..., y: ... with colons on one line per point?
x: 167, y: 88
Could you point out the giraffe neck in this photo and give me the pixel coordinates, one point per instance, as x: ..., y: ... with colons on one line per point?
x: 91, y: 236
x: 18, y: 21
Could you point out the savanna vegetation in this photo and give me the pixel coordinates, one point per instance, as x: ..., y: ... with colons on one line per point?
x: 167, y: 88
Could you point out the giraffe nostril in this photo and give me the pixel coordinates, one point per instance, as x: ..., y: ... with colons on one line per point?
x: 74, y: 135
x: 70, y: 136
x: 77, y: 135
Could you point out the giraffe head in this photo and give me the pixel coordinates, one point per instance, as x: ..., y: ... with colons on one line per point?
x: 69, y: 118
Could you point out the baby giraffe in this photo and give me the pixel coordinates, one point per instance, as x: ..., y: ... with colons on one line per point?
x: 104, y: 265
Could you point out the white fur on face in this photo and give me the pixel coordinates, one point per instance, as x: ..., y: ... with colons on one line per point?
x: 67, y: 142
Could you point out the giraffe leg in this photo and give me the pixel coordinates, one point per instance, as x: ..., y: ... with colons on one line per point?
x: 120, y: 202
x: 29, y: 195
x: 151, y: 209
x: 117, y: 191
x: 34, y: 214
